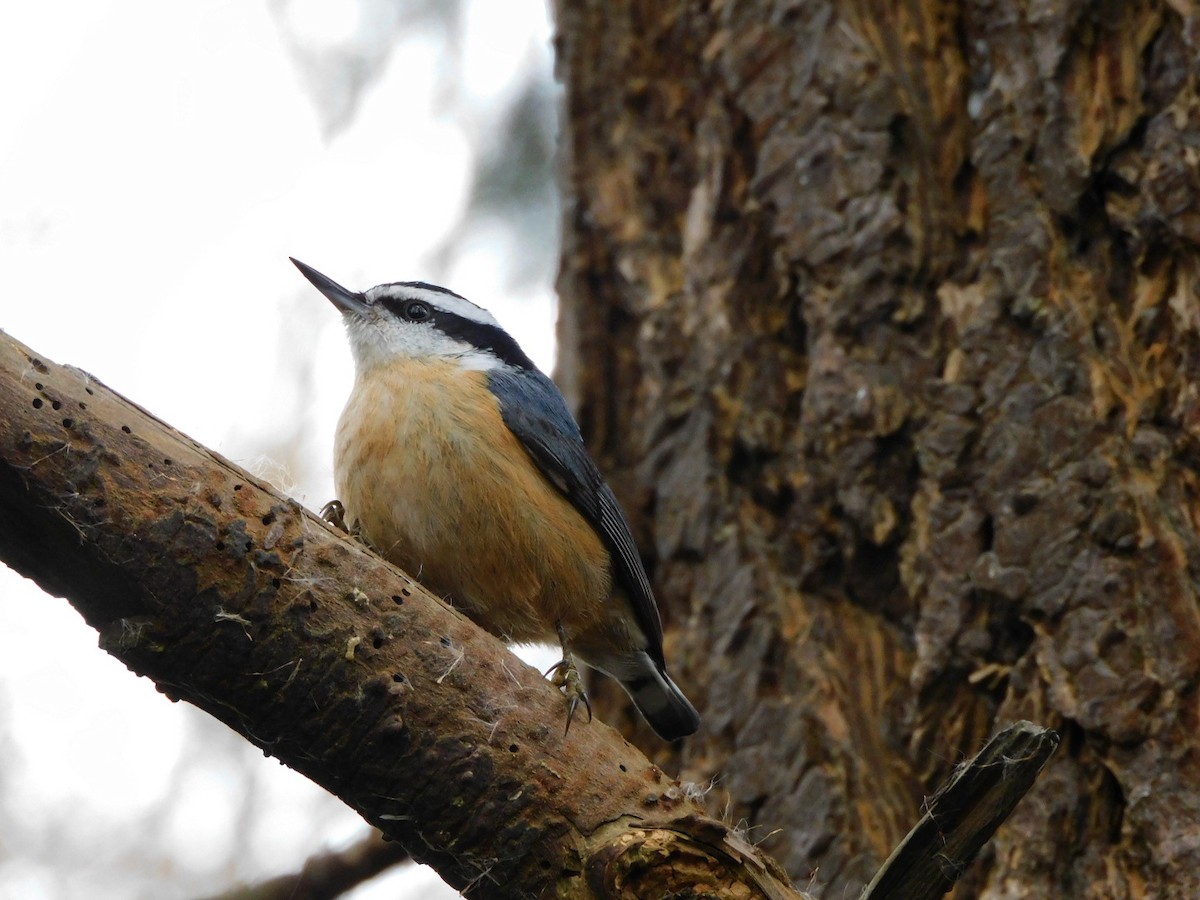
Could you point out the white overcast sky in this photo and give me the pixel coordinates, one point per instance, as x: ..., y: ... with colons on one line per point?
x: 158, y: 164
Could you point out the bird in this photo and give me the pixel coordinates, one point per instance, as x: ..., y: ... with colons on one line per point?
x: 458, y: 460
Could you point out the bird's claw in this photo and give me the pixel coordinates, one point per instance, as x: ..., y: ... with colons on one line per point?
x: 335, y: 514
x: 567, y: 679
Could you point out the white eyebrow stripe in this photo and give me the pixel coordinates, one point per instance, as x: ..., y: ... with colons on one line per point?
x: 450, y: 303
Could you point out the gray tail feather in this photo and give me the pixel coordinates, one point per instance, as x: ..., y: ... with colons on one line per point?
x: 662, y: 704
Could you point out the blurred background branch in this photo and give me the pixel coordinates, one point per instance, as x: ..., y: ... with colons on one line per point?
x: 326, y: 875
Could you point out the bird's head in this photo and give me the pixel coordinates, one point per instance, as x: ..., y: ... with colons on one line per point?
x: 415, y: 320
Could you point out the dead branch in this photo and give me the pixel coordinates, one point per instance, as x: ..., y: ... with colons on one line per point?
x: 963, y: 815
x: 238, y: 600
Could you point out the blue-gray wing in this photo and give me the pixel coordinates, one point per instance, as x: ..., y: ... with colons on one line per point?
x: 534, y: 410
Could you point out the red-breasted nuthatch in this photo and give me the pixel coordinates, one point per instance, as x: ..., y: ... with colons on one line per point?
x: 459, y: 461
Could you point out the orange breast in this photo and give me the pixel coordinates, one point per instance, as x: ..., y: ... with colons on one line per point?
x: 426, y: 466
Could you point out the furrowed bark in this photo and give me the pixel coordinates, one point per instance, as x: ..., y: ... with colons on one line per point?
x: 883, y: 317
x: 238, y: 600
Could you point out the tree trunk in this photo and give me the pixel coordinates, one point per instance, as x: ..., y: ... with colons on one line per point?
x: 883, y: 318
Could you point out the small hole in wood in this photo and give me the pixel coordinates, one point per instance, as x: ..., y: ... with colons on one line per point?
x: 397, y: 599
x: 166, y: 462
x: 127, y: 429
x: 82, y: 405
x: 237, y: 487
x: 276, y: 583
x: 56, y: 404
x: 37, y: 385
x: 377, y: 643
x: 37, y: 402
x: 90, y: 391
x: 513, y: 748
x: 268, y: 518
x: 68, y: 422
x: 220, y: 545
x: 622, y: 767
x: 398, y: 677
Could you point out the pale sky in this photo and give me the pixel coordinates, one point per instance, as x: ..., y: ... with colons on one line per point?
x: 158, y: 164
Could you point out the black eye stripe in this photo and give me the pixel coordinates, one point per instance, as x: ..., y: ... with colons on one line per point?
x: 483, y: 337
x: 480, y: 335
x: 408, y: 309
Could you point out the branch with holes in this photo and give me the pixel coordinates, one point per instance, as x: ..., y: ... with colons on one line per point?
x: 238, y: 600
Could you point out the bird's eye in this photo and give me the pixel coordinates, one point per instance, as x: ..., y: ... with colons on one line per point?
x: 416, y: 311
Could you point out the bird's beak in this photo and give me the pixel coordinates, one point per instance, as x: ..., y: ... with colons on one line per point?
x: 345, y: 300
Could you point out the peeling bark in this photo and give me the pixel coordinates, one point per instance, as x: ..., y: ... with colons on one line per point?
x: 884, y: 318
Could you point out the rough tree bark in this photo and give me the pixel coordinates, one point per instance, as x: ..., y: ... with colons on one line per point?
x: 885, y: 315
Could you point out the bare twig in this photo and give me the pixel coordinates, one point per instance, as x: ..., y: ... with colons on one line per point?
x: 963, y: 815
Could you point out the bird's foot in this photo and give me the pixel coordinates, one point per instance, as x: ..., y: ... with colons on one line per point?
x: 335, y: 514
x: 565, y: 676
